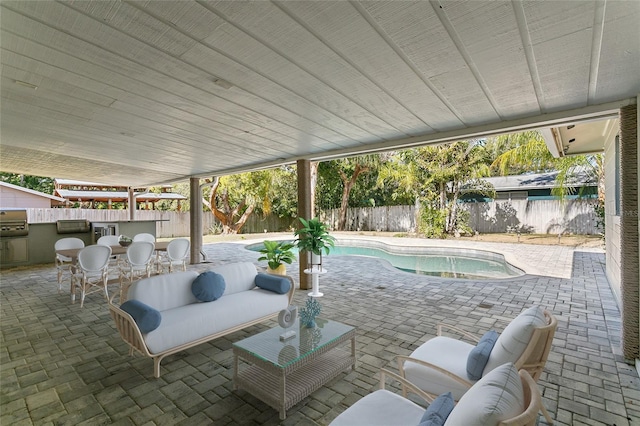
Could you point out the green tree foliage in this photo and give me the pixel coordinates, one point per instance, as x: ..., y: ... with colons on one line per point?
x: 284, y: 192
x: 518, y: 153
x: 364, y: 190
x: 437, y: 176
x: 37, y: 183
x: 529, y: 153
x: 232, y: 199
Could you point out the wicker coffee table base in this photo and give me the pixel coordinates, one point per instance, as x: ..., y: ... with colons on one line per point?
x: 282, y: 388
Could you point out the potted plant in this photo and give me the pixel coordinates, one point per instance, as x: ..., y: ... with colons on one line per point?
x: 277, y: 253
x: 314, y: 238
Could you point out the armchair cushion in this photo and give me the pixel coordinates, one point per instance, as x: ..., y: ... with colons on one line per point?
x: 146, y: 317
x: 438, y: 410
x: 208, y: 286
x: 444, y: 352
x: 380, y: 408
x: 496, y: 397
x: 515, y: 337
x: 273, y: 283
x: 478, y: 357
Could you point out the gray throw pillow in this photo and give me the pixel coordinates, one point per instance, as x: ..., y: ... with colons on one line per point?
x: 438, y: 411
x: 479, y: 356
x: 208, y: 286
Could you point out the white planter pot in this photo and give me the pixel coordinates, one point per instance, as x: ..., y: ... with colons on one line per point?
x: 315, y: 261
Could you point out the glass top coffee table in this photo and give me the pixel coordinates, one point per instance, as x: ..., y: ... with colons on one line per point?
x: 282, y: 373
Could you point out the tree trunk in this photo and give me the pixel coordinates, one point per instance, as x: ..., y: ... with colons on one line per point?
x: 453, y: 211
x: 348, y: 184
x: 314, y: 181
x: 227, y: 214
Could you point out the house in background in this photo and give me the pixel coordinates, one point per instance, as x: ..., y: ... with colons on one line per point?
x: 87, y: 194
x: 14, y: 196
x: 524, y: 203
x: 536, y: 186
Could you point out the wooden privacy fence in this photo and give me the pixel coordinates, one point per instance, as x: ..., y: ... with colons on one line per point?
x: 527, y: 216
x: 539, y: 216
x: 389, y: 219
x: 534, y: 216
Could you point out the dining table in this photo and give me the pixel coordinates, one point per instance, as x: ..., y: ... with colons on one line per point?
x: 115, y: 250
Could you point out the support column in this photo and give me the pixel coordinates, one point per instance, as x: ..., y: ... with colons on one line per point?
x: 305, y: 211
x: 629, y: 237
x: 195, y: 219
x: 132, y: 204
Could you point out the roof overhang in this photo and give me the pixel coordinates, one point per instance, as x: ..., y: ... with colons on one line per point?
x: 579, y: 138
x: 139, y: 93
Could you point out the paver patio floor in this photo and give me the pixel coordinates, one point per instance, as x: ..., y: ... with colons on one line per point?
x: 64, y: 365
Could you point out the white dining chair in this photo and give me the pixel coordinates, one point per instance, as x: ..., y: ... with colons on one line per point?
x: 65, y: 264
x: 175, y: 256
x: 137, y: 264
x: 144, y: 236
x: 91, y: 272
x: 108, y: 240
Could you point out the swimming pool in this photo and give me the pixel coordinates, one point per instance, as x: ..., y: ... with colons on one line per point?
x: 438, y: 262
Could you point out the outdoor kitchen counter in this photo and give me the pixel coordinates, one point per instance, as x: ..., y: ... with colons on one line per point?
x: 42, y: 237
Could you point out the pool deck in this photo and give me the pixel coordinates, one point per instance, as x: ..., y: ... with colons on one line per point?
x: 63, y: 365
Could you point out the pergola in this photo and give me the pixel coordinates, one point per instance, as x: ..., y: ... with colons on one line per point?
x: 146, y: 93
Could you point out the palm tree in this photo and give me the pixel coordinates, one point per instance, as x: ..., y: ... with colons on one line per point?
x: 530, y: 153
x: 437, y: 175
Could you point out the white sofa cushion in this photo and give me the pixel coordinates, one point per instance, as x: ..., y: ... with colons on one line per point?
x: 188, y: 323
x: 237, y: 276
x: 380, y: 408
x: 496, y: 397
x: 445, y: 352
x: 166, y: 291
x: 515, y: 337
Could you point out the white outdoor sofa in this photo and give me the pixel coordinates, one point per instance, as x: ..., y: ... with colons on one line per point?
x: 187, y: 322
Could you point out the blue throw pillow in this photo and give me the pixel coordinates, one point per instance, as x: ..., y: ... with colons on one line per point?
x: 478, y: 357
x: 208, y: 286
x: 438, y: 411
x: 273, y: 283
x: 147, y: 318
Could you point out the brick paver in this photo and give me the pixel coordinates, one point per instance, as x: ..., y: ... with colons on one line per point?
x: 60, y: 364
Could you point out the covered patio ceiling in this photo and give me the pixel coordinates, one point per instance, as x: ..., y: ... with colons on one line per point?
x: 148, y: 92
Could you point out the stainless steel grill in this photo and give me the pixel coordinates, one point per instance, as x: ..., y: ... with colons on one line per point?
x: 72, y: 226
x: 13, y: 223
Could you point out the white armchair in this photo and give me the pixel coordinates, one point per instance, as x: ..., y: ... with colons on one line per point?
x: 503, y: 397
x: 441, y: 364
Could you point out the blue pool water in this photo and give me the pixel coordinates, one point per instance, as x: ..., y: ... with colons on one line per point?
x: 439, y: 262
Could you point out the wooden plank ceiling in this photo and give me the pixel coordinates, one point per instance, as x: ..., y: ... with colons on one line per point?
x: 148, y: 92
